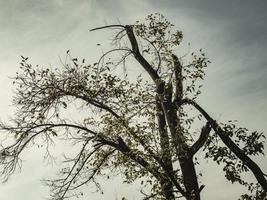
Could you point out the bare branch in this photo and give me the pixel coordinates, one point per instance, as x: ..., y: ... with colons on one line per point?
x: 109, y: 26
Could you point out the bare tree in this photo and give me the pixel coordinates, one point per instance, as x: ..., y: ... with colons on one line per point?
x: 141, y: 128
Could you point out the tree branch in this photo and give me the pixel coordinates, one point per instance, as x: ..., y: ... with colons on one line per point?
x: 178, y: 78
x: 126, y: 150
x: 256, y: 170
x: 112, y: 50
x: 157, y: 52
x: 109, y: 26
x: 135, y: 49
x: 105, y: 107
x: 152, y: 72
x: 96, y: 103
x: 201, y: 140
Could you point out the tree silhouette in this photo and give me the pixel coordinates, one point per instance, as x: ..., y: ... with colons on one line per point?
x: 141, y: 127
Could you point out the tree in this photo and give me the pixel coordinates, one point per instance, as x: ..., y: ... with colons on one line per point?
x: 140, y: 127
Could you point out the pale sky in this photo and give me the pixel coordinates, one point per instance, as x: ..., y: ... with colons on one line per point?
x: 232, y: 32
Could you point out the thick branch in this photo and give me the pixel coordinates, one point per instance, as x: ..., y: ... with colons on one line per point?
x: 178, y: 78
x: 256, y: 170
x: 164, y: 139
x: 157, y: 52
x: 180, y: 145
x: 138, y: 56
x: 202, y: 139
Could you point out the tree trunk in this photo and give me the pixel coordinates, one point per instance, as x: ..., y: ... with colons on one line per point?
x: 189, y: 177
x: 182, y: 149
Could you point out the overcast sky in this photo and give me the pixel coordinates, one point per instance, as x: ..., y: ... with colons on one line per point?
x: 232, y: 32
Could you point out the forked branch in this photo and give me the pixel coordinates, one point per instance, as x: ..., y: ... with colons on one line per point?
x: 255, y: 169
